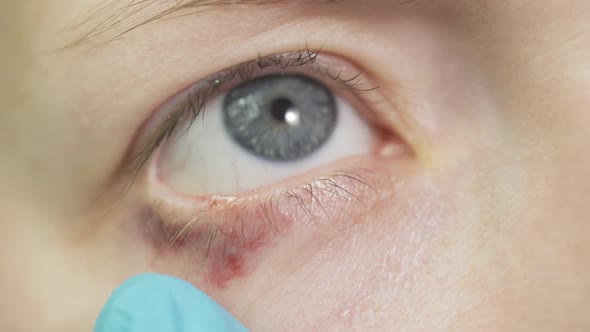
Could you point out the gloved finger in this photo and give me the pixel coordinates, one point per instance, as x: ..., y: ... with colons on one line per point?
x: 157, y: 303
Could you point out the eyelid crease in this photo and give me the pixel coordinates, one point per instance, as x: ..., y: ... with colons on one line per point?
x: 193, y: 104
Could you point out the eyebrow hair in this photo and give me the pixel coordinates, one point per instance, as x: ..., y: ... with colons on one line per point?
x: 118, y: 17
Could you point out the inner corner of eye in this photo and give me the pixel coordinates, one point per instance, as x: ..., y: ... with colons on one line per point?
x: 274, y: 127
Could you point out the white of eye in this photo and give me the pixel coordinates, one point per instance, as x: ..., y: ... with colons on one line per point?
x: 206, y: 161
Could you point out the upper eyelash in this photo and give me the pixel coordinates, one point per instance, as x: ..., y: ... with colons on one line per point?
x: 195, y: 101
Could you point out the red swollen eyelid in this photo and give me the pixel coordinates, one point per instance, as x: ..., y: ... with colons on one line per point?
x: 225, y: 237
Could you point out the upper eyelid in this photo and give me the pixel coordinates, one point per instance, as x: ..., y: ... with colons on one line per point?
x: 195, y: 101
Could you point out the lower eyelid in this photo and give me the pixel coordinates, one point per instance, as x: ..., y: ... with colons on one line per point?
x: 212, y: 229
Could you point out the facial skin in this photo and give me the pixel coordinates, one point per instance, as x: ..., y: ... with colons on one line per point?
x: 481, y: 223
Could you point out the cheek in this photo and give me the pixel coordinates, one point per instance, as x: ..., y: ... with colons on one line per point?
x: 418, y: 247
x: 364, y: 277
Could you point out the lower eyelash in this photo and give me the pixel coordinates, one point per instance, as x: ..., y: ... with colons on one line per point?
x: 215, y: 236
x: 303, y: 195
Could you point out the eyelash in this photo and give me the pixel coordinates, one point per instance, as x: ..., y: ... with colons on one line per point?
x: 201, y: 92
x: 343, y: 187
x: 339, y: 188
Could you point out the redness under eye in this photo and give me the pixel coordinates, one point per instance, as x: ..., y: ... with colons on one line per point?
x: 224, y: 239
x: 221, y: 253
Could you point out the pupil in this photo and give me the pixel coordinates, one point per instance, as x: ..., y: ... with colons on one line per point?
x: 280, y: 108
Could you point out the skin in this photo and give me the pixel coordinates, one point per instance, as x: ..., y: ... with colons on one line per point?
x: 481, y: 224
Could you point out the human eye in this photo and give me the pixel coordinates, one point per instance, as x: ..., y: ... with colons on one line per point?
x: 281, y: 139
x: 264, y: 121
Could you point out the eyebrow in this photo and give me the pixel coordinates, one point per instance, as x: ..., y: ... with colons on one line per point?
x: 118, y: 17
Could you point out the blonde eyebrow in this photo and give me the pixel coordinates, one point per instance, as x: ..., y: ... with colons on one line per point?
x: 118, y: 17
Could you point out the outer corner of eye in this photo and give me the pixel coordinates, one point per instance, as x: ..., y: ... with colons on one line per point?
x: 278, y: 126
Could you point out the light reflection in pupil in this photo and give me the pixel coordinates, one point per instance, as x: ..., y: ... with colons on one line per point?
x: 292, y: 118
x: 284, y: 111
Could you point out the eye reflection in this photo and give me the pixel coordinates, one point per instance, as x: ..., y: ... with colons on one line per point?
x: 280, y: 117
x: 283, y: 110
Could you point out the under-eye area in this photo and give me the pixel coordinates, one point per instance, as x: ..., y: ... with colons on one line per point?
x: 223, y: 237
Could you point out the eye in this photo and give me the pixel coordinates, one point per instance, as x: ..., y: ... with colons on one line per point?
x: 263, y: 122
x: 280, y: 117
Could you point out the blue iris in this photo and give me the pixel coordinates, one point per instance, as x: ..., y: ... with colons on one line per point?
x: 280, y: 117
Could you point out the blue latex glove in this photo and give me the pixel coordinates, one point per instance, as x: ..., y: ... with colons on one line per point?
x: 158, y: 303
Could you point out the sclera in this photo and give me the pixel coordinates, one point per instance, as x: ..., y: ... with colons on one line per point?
x: 203, y: 160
